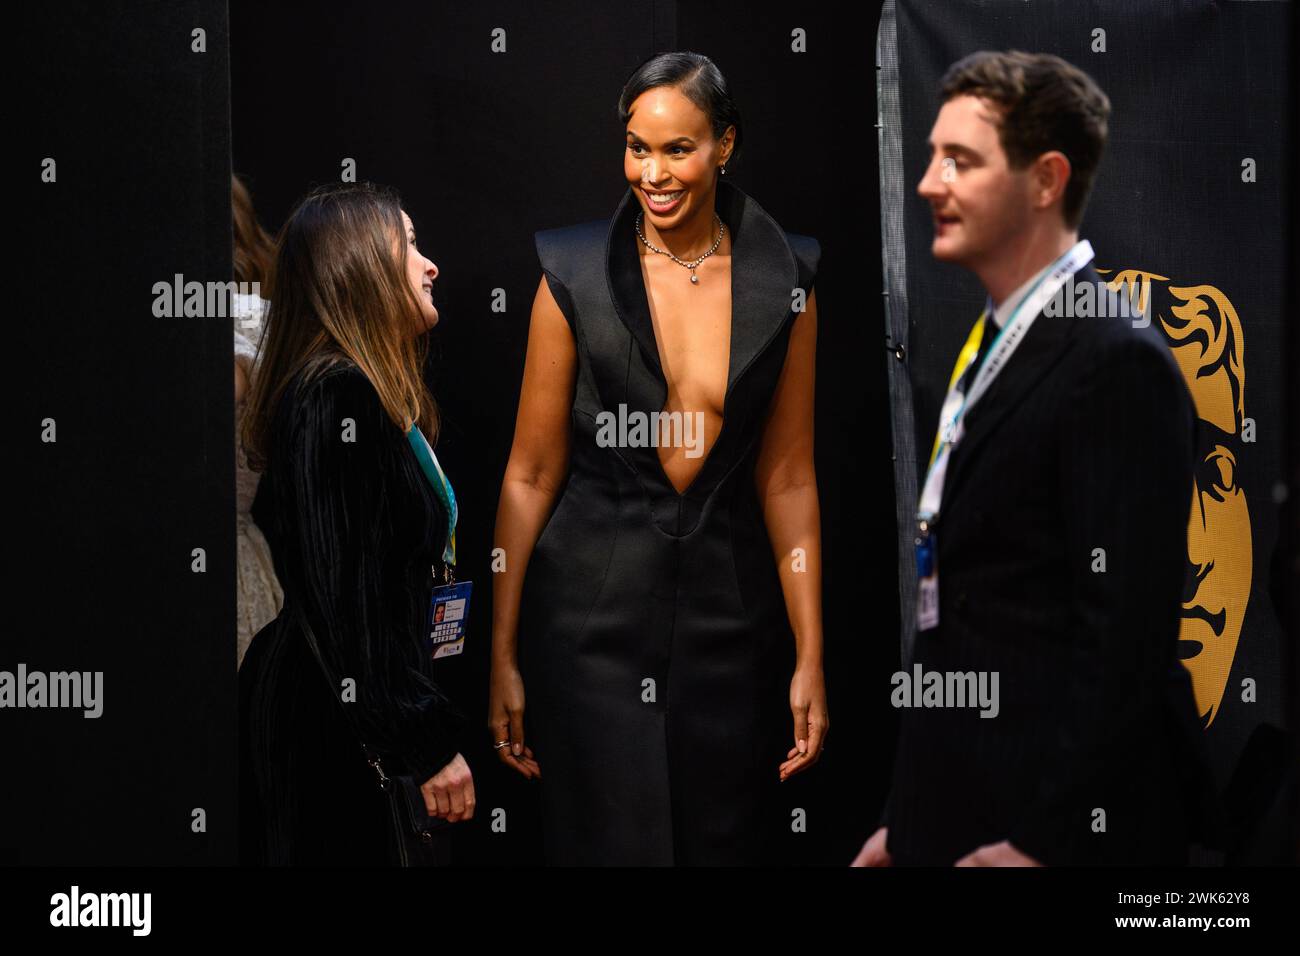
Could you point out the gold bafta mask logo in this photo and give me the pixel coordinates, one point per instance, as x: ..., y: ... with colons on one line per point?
x: 1206, y: 341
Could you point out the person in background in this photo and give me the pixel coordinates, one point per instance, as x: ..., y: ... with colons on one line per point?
x: 259, y: 593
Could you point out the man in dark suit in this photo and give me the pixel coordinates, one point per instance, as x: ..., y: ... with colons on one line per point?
x: 1052, y: 526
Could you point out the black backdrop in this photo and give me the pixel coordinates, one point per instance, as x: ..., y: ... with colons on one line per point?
x: 487, y: 148
x: 142, y: 472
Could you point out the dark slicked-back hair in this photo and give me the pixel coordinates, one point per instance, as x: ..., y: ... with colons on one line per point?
x: 699, y: 80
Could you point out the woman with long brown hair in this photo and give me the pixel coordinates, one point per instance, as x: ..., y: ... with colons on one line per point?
x: 361, y: 524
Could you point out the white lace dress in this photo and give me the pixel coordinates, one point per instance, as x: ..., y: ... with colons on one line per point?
x: 260, y: 597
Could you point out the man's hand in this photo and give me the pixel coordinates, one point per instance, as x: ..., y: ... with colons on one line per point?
x: 997, y: 854
x: 873, y: 852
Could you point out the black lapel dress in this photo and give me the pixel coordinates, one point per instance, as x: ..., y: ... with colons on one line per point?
x: 356, y: 533
x: 654, y: 641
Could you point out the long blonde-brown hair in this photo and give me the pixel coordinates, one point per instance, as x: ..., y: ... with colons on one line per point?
x: 254, y: 249
x: 340, y: 294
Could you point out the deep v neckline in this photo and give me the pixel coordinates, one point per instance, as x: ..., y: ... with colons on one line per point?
x: 764, y: 273
x: 663, y: 377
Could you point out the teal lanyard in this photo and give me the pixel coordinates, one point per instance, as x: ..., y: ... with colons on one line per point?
x: 441, y: 487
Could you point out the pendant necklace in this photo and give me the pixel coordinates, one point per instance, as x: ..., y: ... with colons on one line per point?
x: 664, y: 252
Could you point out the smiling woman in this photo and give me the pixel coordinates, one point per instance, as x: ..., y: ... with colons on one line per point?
x: 420, y: 272
x: 664, y: 608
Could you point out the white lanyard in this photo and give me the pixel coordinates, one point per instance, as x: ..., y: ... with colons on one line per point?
x: 957, y: 404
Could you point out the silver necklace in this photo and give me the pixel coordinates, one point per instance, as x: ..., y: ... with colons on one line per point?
x: 664, y: 252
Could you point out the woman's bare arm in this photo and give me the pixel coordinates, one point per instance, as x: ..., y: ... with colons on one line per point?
x: 241, y: 382
x: 539, y: 459
x: 786, y: 481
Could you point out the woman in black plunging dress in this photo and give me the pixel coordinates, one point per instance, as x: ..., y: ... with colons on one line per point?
x: 661, y: 594
x: 357, y: 532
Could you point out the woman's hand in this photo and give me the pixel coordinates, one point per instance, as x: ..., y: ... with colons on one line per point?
x: 506, y: 720
x: 449, y: 793
x: 811, y: 723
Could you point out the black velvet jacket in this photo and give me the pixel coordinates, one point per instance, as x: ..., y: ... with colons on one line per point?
x: 356, y: 534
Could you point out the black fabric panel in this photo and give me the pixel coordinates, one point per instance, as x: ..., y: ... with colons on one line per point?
x: 142, y: 472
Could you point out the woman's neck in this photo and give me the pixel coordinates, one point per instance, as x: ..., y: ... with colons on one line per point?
x: 691, y: 238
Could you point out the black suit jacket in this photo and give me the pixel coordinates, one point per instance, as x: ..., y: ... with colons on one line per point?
x: 1079, y: 457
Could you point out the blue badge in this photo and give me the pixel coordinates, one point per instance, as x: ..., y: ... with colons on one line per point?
x: 448, y: 617
x: 927, y: 581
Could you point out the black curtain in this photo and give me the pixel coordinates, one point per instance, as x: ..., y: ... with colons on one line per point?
x: 133, y: 108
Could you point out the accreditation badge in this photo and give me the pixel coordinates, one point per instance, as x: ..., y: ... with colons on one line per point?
x: 448, y: 617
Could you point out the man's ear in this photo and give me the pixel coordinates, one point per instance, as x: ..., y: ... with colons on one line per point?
x: 1051, y: 174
